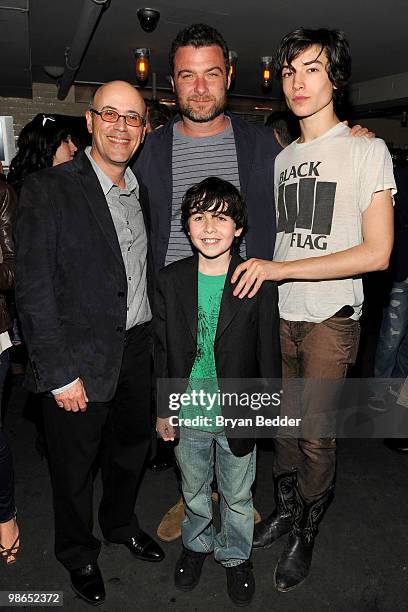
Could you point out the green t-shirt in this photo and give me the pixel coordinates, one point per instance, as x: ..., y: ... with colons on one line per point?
x: 203, y: 375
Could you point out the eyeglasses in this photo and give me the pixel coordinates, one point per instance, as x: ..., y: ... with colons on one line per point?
x: 111, y: 116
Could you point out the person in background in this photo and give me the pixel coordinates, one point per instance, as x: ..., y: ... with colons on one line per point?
x: 9, y: 532
x: 285, y: 127
x: 157, y: 115
x: 45, y: 141
x: 391, y: 357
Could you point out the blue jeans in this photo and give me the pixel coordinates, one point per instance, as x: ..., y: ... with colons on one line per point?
x: 197, y: 453
x: 391, y: 358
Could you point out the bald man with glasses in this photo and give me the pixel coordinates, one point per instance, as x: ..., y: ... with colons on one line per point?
x: 84, y: 298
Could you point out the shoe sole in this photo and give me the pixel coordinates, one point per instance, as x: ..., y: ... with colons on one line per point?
x: 241, y: 604
x: 263, y: 547
x: 145, y: 558
x: 186, y: 589
x: 266, y: 546
x: 167, y: 538
x: 88, y: 601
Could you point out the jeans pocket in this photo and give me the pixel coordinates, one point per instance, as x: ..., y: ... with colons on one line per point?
x: 348, y: 332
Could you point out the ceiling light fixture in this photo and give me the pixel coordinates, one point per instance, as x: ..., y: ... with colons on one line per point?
x: 142, y: 56
x: 266, y: 63
x: 232, y: 56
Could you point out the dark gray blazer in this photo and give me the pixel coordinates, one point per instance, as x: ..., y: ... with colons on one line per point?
x: 247, y: 339
x: 71, y: 286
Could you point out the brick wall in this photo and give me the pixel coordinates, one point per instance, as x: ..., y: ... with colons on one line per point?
x: 44, y: 100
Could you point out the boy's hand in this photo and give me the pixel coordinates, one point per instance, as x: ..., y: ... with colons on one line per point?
x: 165, y: 429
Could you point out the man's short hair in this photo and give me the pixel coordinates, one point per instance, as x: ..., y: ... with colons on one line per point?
x: 157, y: 113
x: 219, y: 195
x: 198, y: 35
x: 332, y: 41
x: 285, y: 124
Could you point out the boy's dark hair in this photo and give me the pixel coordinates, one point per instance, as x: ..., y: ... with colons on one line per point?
x: 332, y: 41
x: 215, y: 193
x: 198, y: 35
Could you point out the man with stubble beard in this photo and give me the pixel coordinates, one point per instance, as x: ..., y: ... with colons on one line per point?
x: 202, y: 141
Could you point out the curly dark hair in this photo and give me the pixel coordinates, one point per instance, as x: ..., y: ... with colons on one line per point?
x: 219, y: 195
x: 37, y: 144
x: 333, y: 42
x: 198, y: 35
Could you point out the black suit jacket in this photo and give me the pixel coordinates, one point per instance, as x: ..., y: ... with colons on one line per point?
x: 71, y: 286
x: 256, y: 151
x: 247, y: 337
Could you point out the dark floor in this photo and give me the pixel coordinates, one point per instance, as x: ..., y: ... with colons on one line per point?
x: 360, y: 562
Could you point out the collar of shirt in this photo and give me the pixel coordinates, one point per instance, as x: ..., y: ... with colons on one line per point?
x: 106, y: 183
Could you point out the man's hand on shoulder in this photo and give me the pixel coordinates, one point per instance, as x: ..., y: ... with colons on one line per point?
x: 253, y: 273
x: 73, y: 399
x: 360, y: 130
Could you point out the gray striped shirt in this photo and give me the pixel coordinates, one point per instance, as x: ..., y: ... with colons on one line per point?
x: 195, y: 159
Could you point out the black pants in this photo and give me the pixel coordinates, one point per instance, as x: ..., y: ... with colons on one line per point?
x: 7, y: 506
x: 119, y: 433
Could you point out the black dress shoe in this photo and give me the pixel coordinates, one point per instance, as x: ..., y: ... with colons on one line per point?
x: 145, y: 548
x: 87, y: 582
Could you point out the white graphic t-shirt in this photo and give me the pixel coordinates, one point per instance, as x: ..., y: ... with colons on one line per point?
x: 322, y: 188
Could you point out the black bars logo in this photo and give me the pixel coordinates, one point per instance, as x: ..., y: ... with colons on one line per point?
x: 307, y: 204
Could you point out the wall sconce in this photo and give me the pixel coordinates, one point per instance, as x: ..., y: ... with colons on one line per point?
x: 233, y: 56
x: 142, y: 56
x: 266, y: 63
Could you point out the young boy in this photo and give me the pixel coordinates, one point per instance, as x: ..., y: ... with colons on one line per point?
x: 205, y: 334
x: 334, y: 206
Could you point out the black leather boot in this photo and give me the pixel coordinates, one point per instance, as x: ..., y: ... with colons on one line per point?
x: 280, y: 521
x: 295, y: 561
